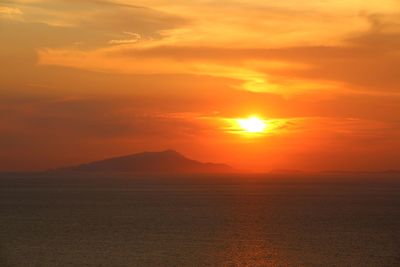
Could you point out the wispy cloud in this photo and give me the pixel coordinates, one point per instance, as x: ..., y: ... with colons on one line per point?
x: 10, y: 12
x: 133, y: 38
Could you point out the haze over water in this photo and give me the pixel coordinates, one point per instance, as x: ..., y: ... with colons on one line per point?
x: 254, y: 220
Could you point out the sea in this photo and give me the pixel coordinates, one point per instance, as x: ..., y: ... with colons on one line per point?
x: 277, y: 219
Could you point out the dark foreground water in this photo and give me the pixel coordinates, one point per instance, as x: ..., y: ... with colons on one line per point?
x: 276, y: 220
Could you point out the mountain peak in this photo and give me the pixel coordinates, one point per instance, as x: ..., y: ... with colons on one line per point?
x: 170, y: 152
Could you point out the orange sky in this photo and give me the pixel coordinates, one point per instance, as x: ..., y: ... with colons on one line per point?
x: 83, y: 80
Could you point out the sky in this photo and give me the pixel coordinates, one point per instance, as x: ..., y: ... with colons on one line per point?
x: 83, y: 80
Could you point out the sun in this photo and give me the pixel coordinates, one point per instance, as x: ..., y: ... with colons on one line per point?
x: 252, y: 124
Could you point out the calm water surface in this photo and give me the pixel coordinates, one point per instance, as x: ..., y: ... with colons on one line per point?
x: 57, y: 220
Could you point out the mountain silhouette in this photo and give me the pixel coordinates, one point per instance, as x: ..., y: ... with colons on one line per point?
x: 168, y: 161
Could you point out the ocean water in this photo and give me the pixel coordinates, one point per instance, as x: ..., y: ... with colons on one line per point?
x: 242, y: 220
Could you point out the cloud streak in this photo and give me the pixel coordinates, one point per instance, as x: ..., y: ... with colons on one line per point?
x: 366, y: 63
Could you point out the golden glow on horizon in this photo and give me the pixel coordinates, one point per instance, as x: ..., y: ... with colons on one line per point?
x: 252, y: 124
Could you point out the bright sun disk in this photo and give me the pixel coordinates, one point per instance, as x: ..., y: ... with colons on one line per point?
x: 252, y: 125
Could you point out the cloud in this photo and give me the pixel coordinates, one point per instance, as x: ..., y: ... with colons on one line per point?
x: 365, y: 63
x: 250, y: 44
x: 134, y: 38
x: 10, y: 12
x: 89, y: 117
x: 96, y: 15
